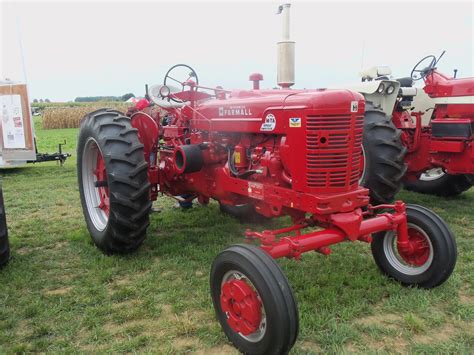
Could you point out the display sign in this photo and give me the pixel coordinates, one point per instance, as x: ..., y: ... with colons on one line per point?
x: 16, y: 126
x: 11, y: 116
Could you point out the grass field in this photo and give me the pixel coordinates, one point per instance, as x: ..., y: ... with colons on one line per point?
x: 60, y: 293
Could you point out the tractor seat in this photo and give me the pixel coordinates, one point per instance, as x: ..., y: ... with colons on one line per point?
x: 405, y: 82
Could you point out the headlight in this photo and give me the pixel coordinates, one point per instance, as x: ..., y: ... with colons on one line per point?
x: 381, y: 89
x: 390, y: 89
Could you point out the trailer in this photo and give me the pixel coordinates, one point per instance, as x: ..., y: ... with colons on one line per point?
x: 17, y: 138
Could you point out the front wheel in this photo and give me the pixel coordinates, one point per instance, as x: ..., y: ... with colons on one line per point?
x: 253, y: 301
x: 436, y: 182
x: 113, y: 181
x: 433, y: 253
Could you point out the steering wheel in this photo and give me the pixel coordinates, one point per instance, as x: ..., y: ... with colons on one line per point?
x: 177, y: 72
x: 423, y: 67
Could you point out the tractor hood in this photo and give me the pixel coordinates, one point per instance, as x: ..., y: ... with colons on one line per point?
x: 269, y: 111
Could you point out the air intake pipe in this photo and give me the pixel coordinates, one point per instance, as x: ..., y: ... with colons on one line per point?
x: 188, y: 158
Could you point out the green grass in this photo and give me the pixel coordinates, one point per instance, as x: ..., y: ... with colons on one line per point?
x: 60, y: 293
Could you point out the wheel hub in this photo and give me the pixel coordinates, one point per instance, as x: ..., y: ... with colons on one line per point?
x: 242, y: 306
x: 418, y: 252
x: 101, y: 183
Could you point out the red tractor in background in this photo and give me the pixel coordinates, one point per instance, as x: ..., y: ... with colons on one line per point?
x: 283, y: 152
x: 440, y: 155
x: 432, y: 131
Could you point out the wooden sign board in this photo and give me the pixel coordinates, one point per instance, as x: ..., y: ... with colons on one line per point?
x: 16, y: 125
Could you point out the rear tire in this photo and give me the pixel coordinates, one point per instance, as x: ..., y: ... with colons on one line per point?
x: 116, y: 212
x: 4, y: 244
x: 269, y: 296
x: 445, y: 185
x: 435, y: 250
x: 384, y: 152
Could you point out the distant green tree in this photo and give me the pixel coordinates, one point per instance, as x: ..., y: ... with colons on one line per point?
x: 47, y: 100
x: 35, y: 101
x: 41, y: 100
x: 127, y: 96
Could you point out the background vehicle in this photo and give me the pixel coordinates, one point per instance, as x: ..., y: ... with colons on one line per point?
x: 436, y: 125
x: 17, y: 138
x: 440, y: 155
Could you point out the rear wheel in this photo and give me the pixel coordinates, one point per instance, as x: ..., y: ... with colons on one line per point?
x: 4, y: 244
x: 432, y: 255
x: 437, y: 182
x: 383, y: 151
x: 253, y: 301
x: 113, y: 181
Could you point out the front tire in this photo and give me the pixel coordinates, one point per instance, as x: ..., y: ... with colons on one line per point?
x: 384, y: 152
x: 253, y: 301
x: 434, y: 253
x: 436, y: 182
x: 113, y: 181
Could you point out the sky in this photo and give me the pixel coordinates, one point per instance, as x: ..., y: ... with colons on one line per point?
x: 75, y: 49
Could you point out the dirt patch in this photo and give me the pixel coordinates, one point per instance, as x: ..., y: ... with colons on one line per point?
x: 396, y: 345
x: 28, y: 250
x: 58, y: 291
x: 466, y: 298
x: 311, y: 346
x: 92, y: 348
x: 122, y: 281
x: 436, y: 335
x: 126, y: 280
x: 183, y: 343
x: 148, y: 327
x: 382, y: 320
x: 24, y: 329
x: 127, y: 304
x: 167, y: 312
x: 217, y: 350
x: 59, y: 245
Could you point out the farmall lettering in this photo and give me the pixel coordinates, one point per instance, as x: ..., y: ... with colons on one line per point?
x: 234, y: 111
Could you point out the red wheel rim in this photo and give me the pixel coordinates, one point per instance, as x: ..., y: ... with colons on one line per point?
x: 241, y: 304
x: 419, y: 251
x: 101, y: 181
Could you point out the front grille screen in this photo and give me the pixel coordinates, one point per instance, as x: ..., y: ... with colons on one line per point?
x: 333, y: 150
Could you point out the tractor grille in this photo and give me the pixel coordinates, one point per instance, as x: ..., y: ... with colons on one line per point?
x: 333, y: 151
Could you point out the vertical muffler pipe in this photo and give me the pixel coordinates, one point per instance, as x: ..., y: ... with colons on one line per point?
x: 285, y: 51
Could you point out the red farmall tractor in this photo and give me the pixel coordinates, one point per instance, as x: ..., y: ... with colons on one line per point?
x: 440, y: 156
x: 282, y: 152
x: 433, y: 130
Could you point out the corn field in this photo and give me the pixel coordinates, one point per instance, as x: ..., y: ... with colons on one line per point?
x: 70, y: 117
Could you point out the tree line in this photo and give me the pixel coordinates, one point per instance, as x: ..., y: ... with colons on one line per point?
x: 124, y: 97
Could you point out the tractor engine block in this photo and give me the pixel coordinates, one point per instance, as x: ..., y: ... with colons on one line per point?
x: 282, y: 151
